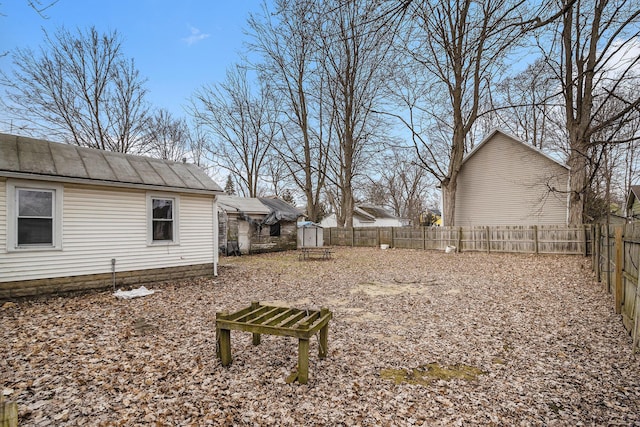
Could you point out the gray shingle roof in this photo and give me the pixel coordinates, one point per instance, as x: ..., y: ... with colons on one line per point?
x: 376, y: 211
x: 23, y: 157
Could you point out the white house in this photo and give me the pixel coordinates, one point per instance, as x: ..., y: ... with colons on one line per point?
x: 77, y: 218
x: 368, y: 215
x: 504, y: 181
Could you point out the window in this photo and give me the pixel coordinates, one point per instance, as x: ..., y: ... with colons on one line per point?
x: 274, y: 230
x: 34, y: 215
x: 163, y: 219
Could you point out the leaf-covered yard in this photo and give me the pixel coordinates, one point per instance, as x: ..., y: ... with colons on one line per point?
x: 417, y: 337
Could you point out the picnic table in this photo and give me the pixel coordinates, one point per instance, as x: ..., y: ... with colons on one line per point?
x: 283, y: 321
x: 323, y: 252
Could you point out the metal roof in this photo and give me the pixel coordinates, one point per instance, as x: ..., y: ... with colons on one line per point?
x: 247, y: 205
x: 376, y: 211
x: 280, y: 210
x: 23, y: 157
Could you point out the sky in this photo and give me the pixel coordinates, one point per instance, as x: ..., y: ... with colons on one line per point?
x: 178, y: 45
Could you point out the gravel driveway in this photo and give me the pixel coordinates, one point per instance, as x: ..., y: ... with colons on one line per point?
x: 417, y: 338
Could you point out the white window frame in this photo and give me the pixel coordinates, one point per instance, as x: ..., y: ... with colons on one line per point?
x: 176, y: 219
x: 12, y: 215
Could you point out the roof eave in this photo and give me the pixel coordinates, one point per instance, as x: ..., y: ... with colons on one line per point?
x: 118, y: 184
x: 515, y: 138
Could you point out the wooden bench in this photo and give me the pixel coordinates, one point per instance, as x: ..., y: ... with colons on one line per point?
x: 263, y: 319
x: 323, y: 252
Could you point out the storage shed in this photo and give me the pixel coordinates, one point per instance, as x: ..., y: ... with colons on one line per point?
x: 78, y: 218
x: 310, y: 235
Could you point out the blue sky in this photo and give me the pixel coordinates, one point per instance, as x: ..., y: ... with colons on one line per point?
x: 178, y: 45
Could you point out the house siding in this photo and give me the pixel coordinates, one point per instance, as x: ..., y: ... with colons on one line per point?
x: 99, y: 224
x: 507, y: 183
x: 331, y: 222
x: 635, y: 210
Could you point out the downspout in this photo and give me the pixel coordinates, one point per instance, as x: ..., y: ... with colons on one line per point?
x: 215, y: 236
x: 113, y: 273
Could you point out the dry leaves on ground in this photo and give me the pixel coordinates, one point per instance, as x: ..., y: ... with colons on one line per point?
x: 417, y: 338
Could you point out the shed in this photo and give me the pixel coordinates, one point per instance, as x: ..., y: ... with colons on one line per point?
x: 77, y: 218
x: 310, y: 235
x: 504, y: 181
x: 257, y: 224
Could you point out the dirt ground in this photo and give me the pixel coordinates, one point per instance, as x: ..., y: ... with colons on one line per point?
x: 417, y: 338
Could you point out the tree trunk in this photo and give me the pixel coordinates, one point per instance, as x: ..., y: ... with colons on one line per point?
x: 578, y: 182
x: 449, y: 203
x: 348, y: 206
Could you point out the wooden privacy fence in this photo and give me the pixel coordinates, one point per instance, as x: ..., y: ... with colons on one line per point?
x: 615, y: 260
x: 574, y: 240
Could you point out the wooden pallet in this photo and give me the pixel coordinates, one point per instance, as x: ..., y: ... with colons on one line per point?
x: 263, y: 319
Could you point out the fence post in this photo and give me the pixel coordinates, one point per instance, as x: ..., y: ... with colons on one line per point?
x: 424, y: 238
x: 636, y: 316
x: 617, y: 296
x: 353, y: 236
x: 393, y: 237
x: 597, y: 249
x: 488, y: 240
x: 608, y: 247
x: 378, y: 237
x: 459, y: 239
x: 535, y: 240
x: 586, y: 244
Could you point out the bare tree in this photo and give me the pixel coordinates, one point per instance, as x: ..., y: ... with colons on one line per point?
x: 458, y: 49
x: 402, y: 185
x: 284, y: 35
x: 38, y: 6
x: 594, y: 55
x: 81, y: 89
x: 525, y: 105
x: 243, y: 126
x: 197, y: 146
x: 41, y: 7
x: 354, y: 51
x: 168, y: 137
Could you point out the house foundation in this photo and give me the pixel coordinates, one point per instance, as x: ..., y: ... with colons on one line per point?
x: 123, y: 279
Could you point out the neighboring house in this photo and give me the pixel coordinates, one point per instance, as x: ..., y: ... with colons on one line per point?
x: 504, y: 181
x: 255, y: 225
x: 613, y: 218
x: 279, y: 228
x: 368, y: 215
x: 77, y: 218
x: 633, y: 203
